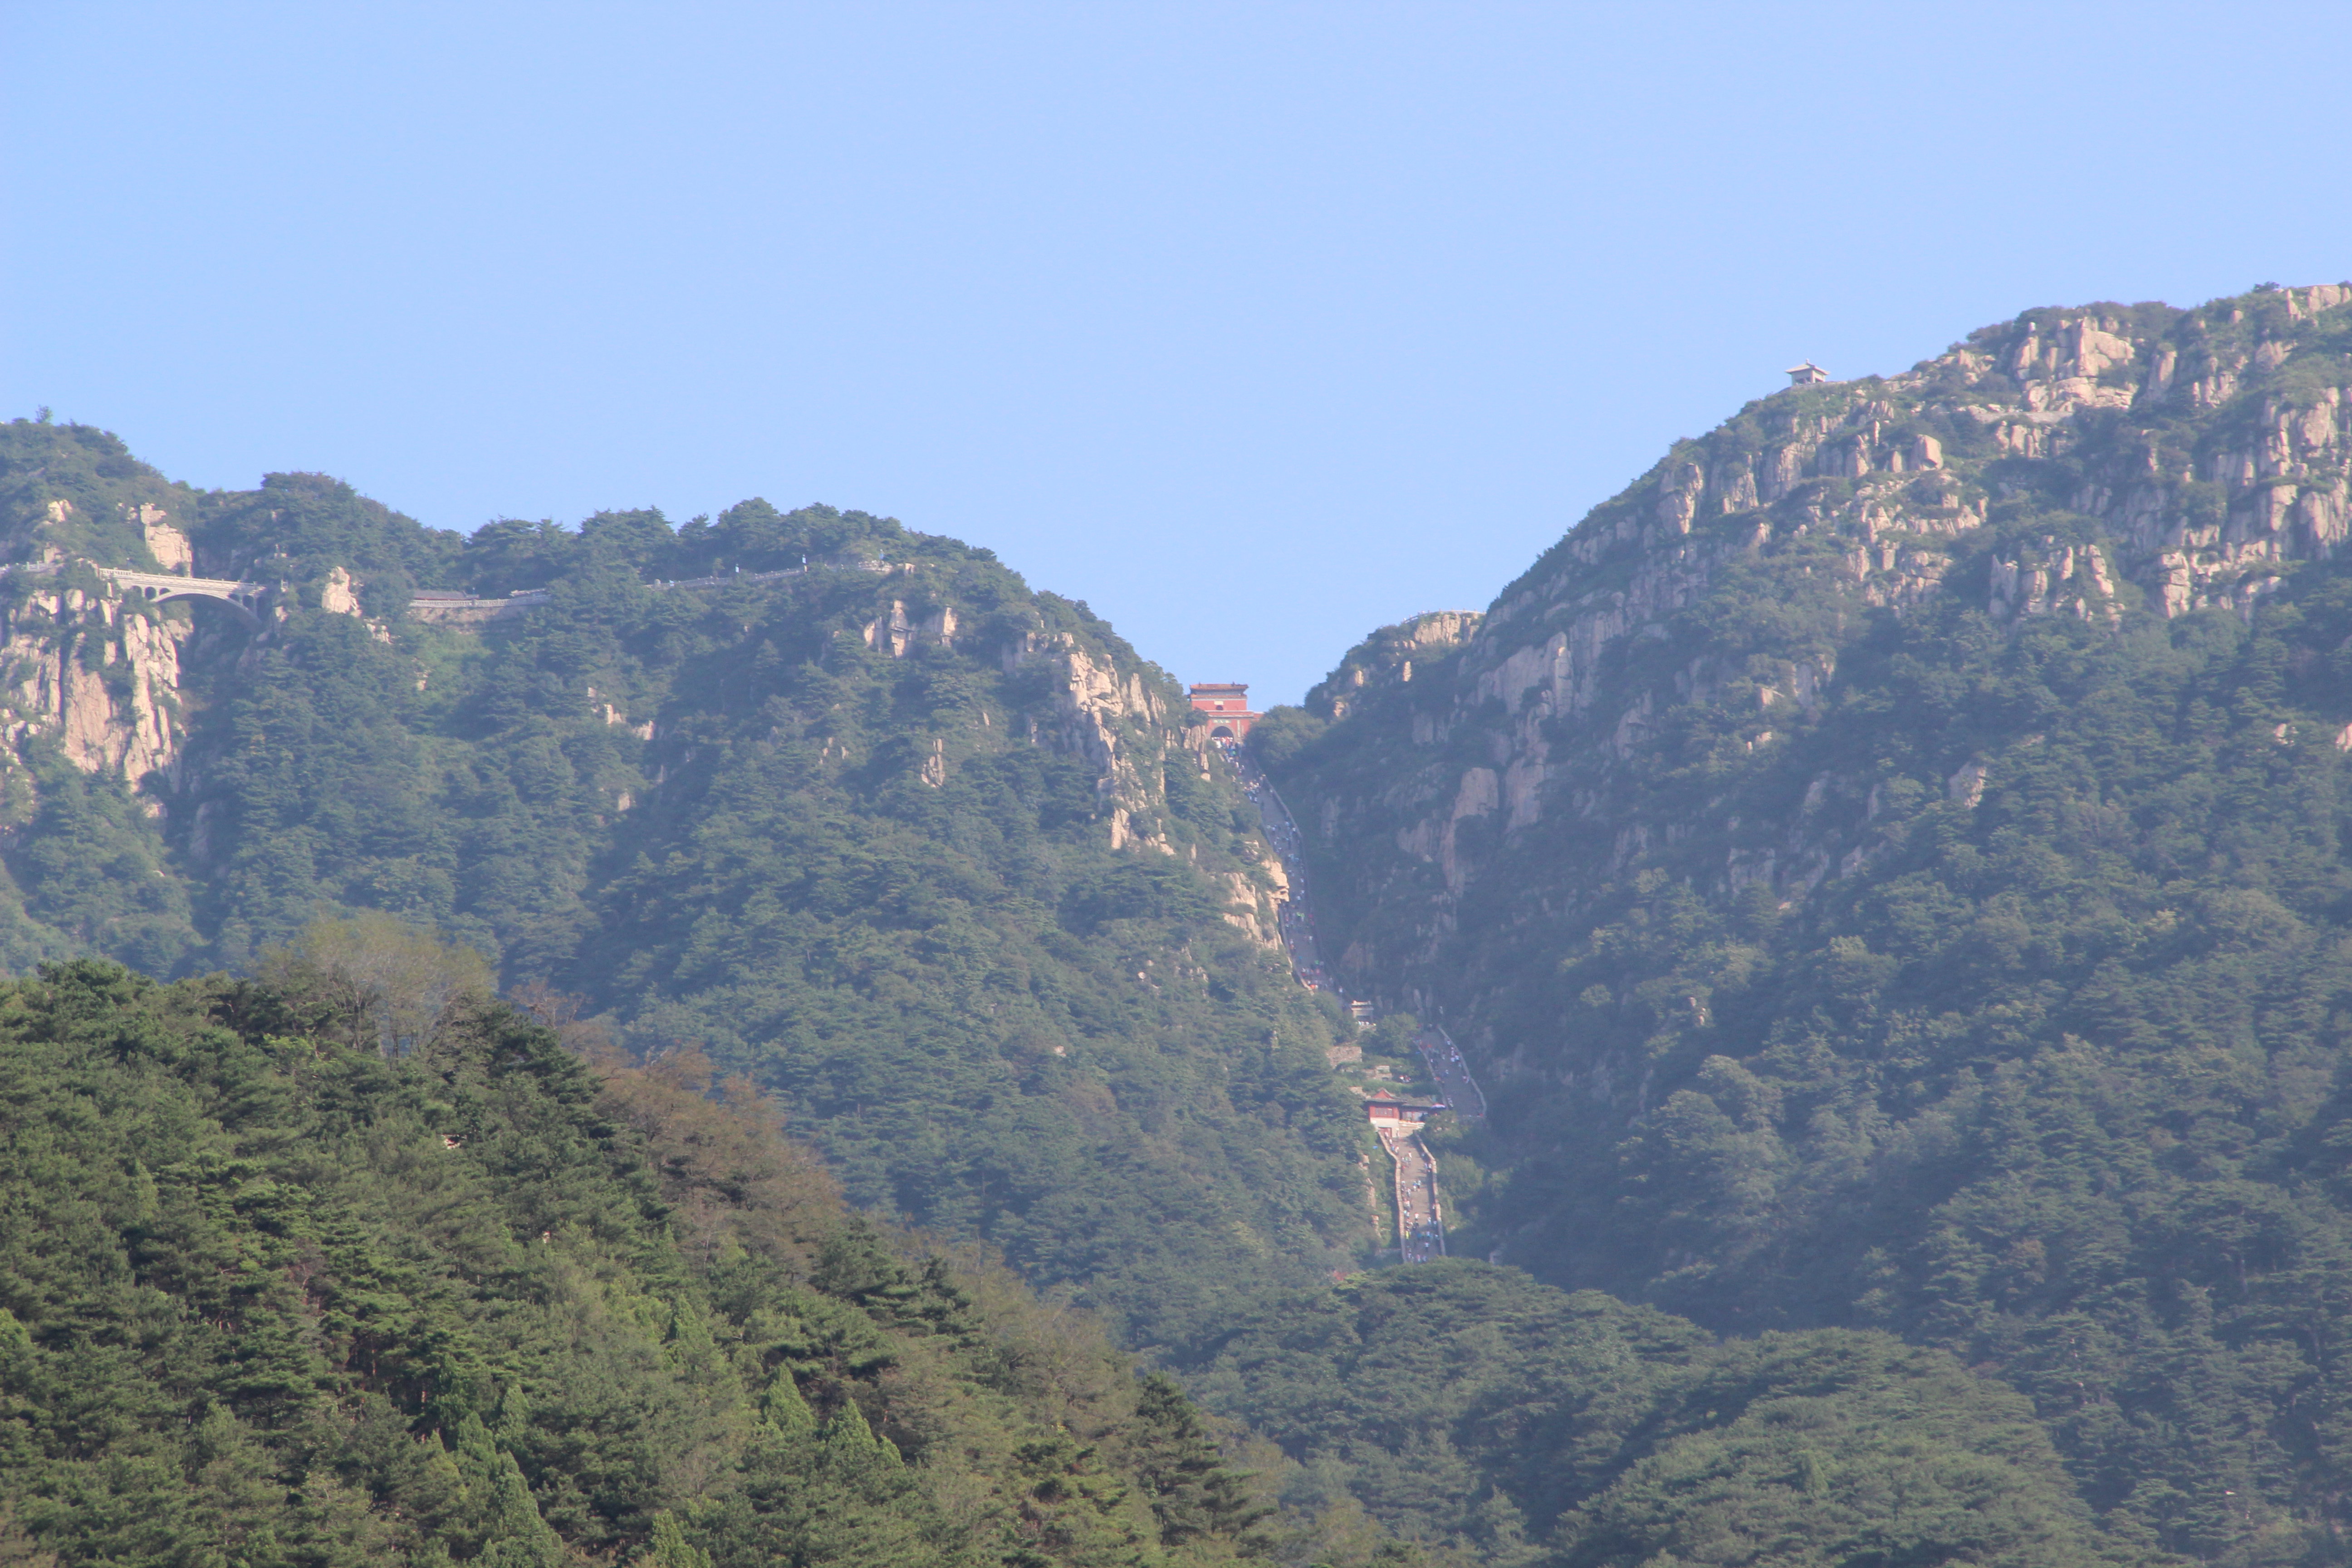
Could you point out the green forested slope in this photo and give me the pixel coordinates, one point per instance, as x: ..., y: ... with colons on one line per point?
x: 270, y: 1297
x: 1476, y: 1409
x: 924, y: 853
x: 1886, y: 867
x: 1911, y: 892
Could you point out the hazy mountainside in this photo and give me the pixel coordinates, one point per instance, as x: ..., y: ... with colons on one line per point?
x: 931, y: 856
x: 356, y: 1265
x: 1888, y: 865
x: 267, y: 1296
x: 1477, y: 1409
x: 924, y: 855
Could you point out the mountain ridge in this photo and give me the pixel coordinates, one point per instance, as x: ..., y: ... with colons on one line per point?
x: 937, y: 859
x: 1886, y: 864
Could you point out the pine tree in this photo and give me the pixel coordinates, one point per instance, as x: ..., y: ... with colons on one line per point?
x: 1193, y: 1492
x: 670, y: 1548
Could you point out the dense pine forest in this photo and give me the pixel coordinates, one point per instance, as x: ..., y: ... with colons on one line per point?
x: 356, y: 1264
x: 767, y: 1038
x: 274, y: 1297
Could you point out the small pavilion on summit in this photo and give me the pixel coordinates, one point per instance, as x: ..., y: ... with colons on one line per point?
x: 1807, y: 374
x: 1227, y: 704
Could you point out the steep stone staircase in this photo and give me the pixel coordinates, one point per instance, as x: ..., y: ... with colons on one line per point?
x: 1419, y: 1214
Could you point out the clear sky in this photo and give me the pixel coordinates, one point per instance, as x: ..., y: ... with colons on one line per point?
x: 1256, y: 326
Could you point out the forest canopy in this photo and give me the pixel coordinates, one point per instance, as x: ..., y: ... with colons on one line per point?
x: 270, y: 1296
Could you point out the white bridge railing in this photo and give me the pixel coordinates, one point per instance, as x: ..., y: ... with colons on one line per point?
x: 156, y: 587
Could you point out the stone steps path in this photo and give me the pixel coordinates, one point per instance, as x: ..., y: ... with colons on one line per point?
x: 1455, y: 1084
x: 1421, y: 1221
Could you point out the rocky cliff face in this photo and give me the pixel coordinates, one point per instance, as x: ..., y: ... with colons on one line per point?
x: 82, y: 668
x: 96, y: 670
x: 1100, y: 704
x: 2100, y: 462
x: 1114, y: 720
x: 1131, y: 728
x: 97, y: 675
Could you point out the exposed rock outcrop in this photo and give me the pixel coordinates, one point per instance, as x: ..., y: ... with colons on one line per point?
x: 338, y: 594
x: 97, y: 674
x: 166, y: 543
x: 1109, y: 717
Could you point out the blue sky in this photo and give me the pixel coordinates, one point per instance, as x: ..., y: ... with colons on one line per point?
x: 1256, y: 326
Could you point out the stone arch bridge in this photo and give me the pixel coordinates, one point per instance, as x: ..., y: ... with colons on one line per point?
x: 243, y: 599
x: 160, y: 587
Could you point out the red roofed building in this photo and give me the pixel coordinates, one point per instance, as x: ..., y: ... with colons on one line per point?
x: 1227, y: 704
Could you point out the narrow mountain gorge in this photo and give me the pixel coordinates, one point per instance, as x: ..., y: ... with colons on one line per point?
x: 1886, y: 867
x: 1885, y: 870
